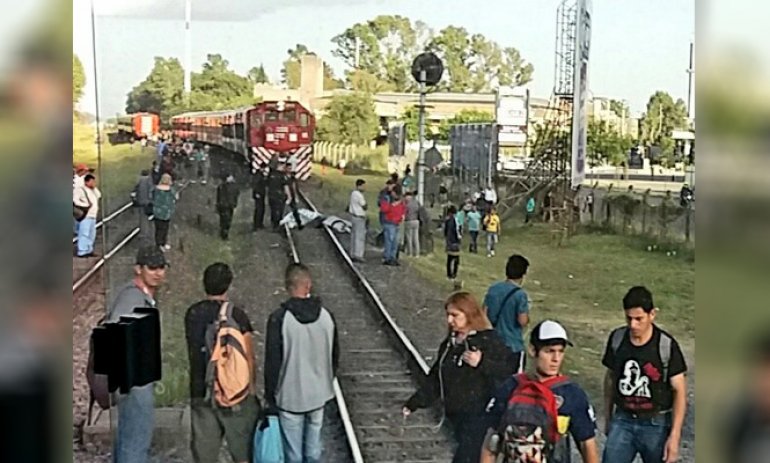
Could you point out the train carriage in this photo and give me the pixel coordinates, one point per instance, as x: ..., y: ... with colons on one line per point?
x: 138, y: 126
x: 260, y: 133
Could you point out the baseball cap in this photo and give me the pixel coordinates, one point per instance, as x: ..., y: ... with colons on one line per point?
x: 548, y: 332
x: 81, y: 167
x: 151, y: 256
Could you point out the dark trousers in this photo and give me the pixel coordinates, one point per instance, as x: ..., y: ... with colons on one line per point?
x: 259, y: 213
x: 276, y: 210
x: 161, y: 231
x: 452, y: 265
x: 474, y: 247
x: 295, y: 213
x: 469, y: 431
x: 225, y: 221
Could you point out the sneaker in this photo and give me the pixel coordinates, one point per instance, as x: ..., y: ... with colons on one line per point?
x: 167, y: 247
x: 193, y: 181
x: 489, y: 254
x: 203, y: 182
x: 493, y: 253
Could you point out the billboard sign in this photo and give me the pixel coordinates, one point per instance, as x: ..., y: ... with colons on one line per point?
x: 580, y: 92
x: 512, y: 115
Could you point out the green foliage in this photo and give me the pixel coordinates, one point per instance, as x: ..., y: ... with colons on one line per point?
x: 620, y: 108
x: 369, y: 160
x: 363, y: 81
x: 78, y: 79
x: 349, y: 119
x: 291, y: 73
x: 257, y: 75
x: 662, y: 117
x: 388, y: 44
x: 605, y: 144
x: 215, y: 87
x: 411, y: 119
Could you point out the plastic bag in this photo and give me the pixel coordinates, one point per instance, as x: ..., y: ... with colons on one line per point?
x: 268, y: 443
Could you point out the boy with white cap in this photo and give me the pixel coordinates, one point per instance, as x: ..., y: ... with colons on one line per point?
x: 547, y: 345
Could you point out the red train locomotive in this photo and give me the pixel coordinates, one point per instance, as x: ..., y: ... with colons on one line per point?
x: 138, y: 126
x: 267, y: 130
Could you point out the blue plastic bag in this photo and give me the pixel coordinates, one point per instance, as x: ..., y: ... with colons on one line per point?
x: 268, y: 442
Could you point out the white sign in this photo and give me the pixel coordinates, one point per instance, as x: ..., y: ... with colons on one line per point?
x: 512, y: 115
x: 580, y: 92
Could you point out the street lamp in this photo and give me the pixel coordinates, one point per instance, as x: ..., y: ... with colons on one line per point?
x: 427, y: 69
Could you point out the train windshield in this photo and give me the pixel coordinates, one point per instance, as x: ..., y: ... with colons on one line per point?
x: 289, y: 115
x: 271, y: 115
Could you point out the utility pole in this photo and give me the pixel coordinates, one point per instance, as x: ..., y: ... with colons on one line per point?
x: 421, y: 149
x: 690, y: 78
x: 187, y: 49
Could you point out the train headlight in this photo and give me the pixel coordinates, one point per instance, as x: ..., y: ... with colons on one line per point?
x: 270, y: 137
x: 293, y: 137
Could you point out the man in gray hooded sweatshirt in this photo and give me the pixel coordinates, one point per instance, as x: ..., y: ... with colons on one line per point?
x: 301, y: 358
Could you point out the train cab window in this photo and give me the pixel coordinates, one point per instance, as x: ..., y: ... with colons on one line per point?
x: 239, y: 131
x: 290, y: 115
x: 271, y: 115
x: 303, y: 120
x: 227, y: 131
x: 256, y: 119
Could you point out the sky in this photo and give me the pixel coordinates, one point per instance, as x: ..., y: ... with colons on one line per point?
x: 638, y: 47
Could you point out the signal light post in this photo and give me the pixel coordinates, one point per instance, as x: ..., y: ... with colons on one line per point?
x: 427, y: 69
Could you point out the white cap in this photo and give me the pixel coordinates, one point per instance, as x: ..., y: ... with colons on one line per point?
x: 547, y: 331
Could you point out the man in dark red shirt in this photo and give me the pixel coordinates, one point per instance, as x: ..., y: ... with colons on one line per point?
x: 393, y: 213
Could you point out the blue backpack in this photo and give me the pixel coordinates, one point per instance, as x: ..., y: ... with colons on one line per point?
x: 268, y: 443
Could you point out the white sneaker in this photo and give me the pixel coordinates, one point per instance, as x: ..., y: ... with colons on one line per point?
x: 203, y: 182
x: 167, y: 247
x: 489, y: 254
x: 493, y: 253
x: 193, y: 181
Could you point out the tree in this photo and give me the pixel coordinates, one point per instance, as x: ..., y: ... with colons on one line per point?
x: 662, y: 117
x: 78, y: 79
x: 161, y: 91
x: 291, y: 72
x: 411, y: 119
x: 386, y: 46
x: 257, y: 75
x: 475, y: 64
x: 620, y: 108
x: 363, y: 81
x: 218, y: 87
x: 349, y: 119
x: 605, y: 144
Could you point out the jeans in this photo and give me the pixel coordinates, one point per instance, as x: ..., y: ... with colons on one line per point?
x: 302, y: 435
x: 491, y: 241
x: 357, y: 237
x: 86, y: 236
x: 136, y: 416
x: 390, y: 232
x: 629, y: 436
x: 474, y: 247
x: 412, y: 232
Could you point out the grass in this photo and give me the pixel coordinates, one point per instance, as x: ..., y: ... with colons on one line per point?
x: 580, y: 284
x: 120, y: 163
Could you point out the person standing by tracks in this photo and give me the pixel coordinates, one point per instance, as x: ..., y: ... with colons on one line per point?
x: 493, y: 227
x: 292, y: 192
x: 645, y: 388
x: 393, y: 214
x: 136, y: 413
x: 507, y: 306
x: 301, y: 358
x: 357, y: 210
x: 412, y: 225
x: 87, y: 197
x: 472, y: 361
x: 164, y: 199
x: 227, y: 201
x: 277, y: 193
x: 259, y: 193
x: 452, y: 238
x: 474, y: 226
x: 210, y: 421
x: 142, y: 199
x: 202, y: 163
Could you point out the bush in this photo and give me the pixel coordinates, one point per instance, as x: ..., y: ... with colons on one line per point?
x: 369, y: 160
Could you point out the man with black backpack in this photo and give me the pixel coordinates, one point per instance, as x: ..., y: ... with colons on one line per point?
x: 507, y: 306
x: 222, y: 373
x: 645, y: 390
x: 530, y: 415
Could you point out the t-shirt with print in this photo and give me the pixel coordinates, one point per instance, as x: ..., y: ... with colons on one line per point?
x: 639, y: 386
x: 506, y: 319
x: 492, y: 221
x: 575, y: 414
x: 199, y: 316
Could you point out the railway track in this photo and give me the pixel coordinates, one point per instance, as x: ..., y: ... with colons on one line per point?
x: 377, y: 361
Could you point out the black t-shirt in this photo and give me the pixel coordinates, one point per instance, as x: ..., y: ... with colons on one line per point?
x: 275, y: 184
x: 197, y: 319
x: 639, y: 386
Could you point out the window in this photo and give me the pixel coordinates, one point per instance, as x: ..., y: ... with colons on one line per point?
x: 256, y: 118
x: 303, y: 120
x: 227, y: 131
x: 290, y: 115
x: 239, y: 131
x: 271, y: 115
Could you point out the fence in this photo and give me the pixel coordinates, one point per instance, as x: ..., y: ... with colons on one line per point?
x: 660, y: 217
x: 334, y: 153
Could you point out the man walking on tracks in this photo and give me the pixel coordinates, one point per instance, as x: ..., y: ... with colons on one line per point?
x: 136, y: 411
x: 142, y: 199
x: 507, y: 307
x: 227, y: 200
x: 210, y: 419
x: 645, y: 390
x: 277, y: 193
x: 259, y: 193
x: 357, y: 209
x: 301, y: 358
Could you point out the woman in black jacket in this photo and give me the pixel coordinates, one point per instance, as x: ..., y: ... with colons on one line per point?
x: 472, y: 361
